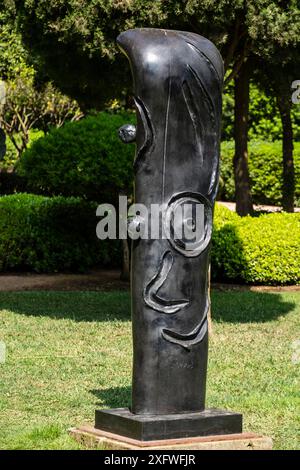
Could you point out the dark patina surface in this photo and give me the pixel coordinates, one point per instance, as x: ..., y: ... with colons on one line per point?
x: 149, y: 428
x: 178, y: 80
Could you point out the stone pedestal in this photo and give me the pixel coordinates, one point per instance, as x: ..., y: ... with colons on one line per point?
x: 98, y: 439
x: 172, y: 426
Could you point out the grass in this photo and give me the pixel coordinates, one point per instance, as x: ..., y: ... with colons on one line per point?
x: 68, y: 353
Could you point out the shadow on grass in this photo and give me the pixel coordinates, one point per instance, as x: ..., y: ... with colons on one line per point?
x: 248, y: 307
x: 114, y: 397
x: 231, y: 306
x: 77, y: 306
x: 228, y: 306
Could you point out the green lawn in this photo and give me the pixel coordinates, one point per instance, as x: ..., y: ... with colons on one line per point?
x: 68, y: 353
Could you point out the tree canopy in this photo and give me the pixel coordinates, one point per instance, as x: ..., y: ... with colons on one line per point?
x: 73, y: 43
x: 75, y: 39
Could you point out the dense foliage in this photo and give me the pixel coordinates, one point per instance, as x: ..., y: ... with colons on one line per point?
x: 256, y: 250
x: 58, y: 234
x: 265, y: 166
x: 84, y: 158
x: 87, y: 159
x: 28, y: 100
x: 51, y: 234
x: 14, y: 58
x: 264, y: 118
x: 81, y: 35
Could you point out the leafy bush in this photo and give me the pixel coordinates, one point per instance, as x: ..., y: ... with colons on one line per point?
x: 256, y: 250
x: 58, y: 234
x: 87, y: 159
x: 51, y: 234
x: 265, y: 167
x: 84, y: 158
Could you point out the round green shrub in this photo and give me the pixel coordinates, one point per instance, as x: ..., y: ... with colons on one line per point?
x: 256, y: 250
x: 46, y: 234
x: 265, y: 167
x: 51, y: 234
x: 84, y: 158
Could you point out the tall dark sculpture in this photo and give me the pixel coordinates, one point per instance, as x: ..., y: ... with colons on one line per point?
x: 178, y: 80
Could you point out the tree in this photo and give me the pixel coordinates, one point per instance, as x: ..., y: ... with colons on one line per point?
x: 240, y: 160
x: 280, y: 79
x: 27, y: 107
x: 247, y: 32
x: 75, y: 42
x: 264, y: 117
x: 284, y: 105
x: 276, y: 33
x: 14, y: 58
x: 26, y: 103
x: 278, y: 67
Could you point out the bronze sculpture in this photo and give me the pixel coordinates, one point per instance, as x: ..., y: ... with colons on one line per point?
x: 178, y: 80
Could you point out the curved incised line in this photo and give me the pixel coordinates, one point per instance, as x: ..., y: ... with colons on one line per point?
x: 150, y: 292
x: 166, y: 135
x: 189, y: 339
x: 208, y: 61
x: 214, y: 181
x: 205, y: 93
x: 213, y: 187
x: 190, y: 104
x: 149, y: 133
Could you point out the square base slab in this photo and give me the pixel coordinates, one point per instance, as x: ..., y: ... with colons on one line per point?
x: 173, y: 426
x: 96, y: 439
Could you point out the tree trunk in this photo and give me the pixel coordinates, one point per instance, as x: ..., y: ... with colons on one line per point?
x: 209, y: 318
x: 240, y: 160
x: 125, y: 273
x: 288, y: 174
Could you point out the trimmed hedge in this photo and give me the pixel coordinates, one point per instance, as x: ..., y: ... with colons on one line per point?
x: 84, y: 158
x: 256, y: 250
x: 265, y: 167
x: 51, y: 234
x: 59, y: 234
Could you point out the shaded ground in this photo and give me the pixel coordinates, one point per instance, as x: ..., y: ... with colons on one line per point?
x: 98, y: 280
x: 95, y: 280
x: 260, y: 207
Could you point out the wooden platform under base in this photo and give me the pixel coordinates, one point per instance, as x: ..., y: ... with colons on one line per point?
x: 95, y: 438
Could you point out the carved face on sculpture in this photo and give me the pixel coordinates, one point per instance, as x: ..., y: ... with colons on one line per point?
x: 177, y: 91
